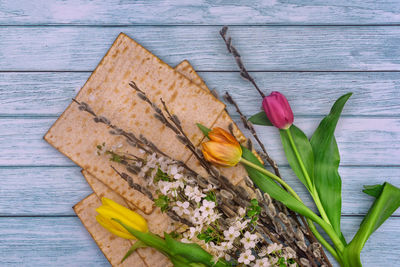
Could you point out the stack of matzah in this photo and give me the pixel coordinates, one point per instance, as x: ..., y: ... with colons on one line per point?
x: 76, y: 135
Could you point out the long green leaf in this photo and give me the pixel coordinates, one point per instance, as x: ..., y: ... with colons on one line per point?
x: 386, y: 203
x: 191, y: 252
x: 304, y: 149
x: 149, y: 239
x: 260, y: 119
x: 269, y: 186
x: 373, y: 190
x: 326, y: 164
x: 133, y: 248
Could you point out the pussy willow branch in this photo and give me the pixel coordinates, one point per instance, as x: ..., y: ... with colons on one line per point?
x: 245, y: 74
x: 248, y: 125
x: 172, y: 122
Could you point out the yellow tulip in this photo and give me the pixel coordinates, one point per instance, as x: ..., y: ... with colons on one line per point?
x: 111, y: 210
x: 222, y: 149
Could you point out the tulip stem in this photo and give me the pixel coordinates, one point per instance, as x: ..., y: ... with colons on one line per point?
x: 311, y: 186
x: 325, y: 225
x: 272, y: 176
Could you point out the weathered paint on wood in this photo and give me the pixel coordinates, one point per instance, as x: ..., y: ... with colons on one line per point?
x: 63, y: 241
x: 367, y: 40
x: 38, y: 191
x: 199, y: 12
x: 362, y: 141
x: 309, y: 93
x: 52, y: 191
x: 51, y: 241
x: 264, y: 48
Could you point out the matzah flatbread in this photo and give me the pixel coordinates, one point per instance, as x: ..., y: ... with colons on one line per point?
x: 76, y: 135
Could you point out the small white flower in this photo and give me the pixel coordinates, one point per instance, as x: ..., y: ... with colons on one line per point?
x: 249, y: 240
x: 181, y: 208
x: 242, y: 212
x: 240, y: 225
x: 273, y: 260
x: 231, y: 234
x: 197, y: 217
x: 246, y: 257
x: 263, y: 252
x: 173, y: 169
x: 225, y: 246
x: 273, y: 247
x: 207, y: 207
x: 194, y: 193
x: 212, y: 217
x: 264, y: 262
x: 210, y: 187
x: 164, y: 187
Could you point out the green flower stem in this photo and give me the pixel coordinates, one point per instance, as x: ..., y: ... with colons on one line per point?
x: 311, y: 187
x: 325, y: 225
x: 272, y: 176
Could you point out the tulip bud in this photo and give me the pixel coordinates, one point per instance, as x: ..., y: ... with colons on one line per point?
x: 222, y: 149
x: 111, y: 210
x: 278, y: 110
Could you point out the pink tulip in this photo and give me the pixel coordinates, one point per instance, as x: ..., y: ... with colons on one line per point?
x: 278, y: 110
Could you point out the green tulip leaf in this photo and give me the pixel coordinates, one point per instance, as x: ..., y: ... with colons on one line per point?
x: 327, y: 180
x: 133, y: 248
x: 260, y: 119
x: 304, y: 150
x: 270, y: 187
x: 373, y: 190
x: 149, y: 239
x: 191, y: 252
x: 385, y: 204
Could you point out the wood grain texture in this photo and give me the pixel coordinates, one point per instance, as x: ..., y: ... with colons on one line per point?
x: 362, y: 141
x: 64, y: 241
x: 58, y: 241
x: 52, y: 191
x: 201, y: 12
x: 342, y: 36
x: 278, y: 48
x: 309, y: 93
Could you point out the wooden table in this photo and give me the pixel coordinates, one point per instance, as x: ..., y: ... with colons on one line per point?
x: 311, y: 51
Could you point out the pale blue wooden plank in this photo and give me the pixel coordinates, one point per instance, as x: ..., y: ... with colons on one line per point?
x: 263, y: 48
x: 47, y: 242
x: 310, y: 93
x: 65, y: 242
x: 38, y: 191
x: 362, y: 141
x: 199, y: 12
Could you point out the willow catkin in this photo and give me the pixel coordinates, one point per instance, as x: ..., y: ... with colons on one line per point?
x: 299, y: 234
x: 267, y: 199
x: 302, y: 245
x: 305, y: 262
x: 272, y: 210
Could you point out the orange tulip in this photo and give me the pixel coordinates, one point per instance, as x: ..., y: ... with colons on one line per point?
x: 222, y: 149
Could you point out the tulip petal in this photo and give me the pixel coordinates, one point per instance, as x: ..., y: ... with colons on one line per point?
x: 220, y: 135
x: 110, y: 213
x: 107, y: 224
x: 222, y: 153
x: 133, y: 217
x: 278, y: 110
